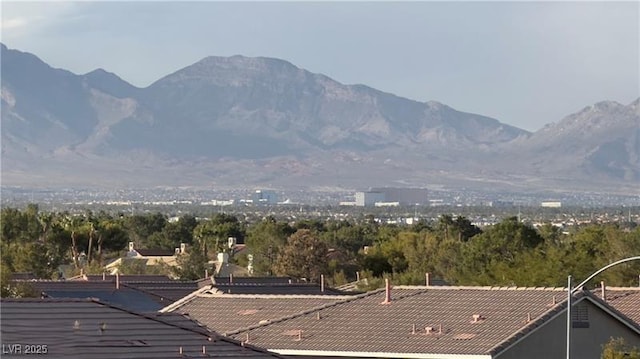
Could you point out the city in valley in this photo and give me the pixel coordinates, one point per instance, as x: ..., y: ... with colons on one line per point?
x: 329, y: 179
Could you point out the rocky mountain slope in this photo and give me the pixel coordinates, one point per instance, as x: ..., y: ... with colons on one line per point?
x: 262, y: 121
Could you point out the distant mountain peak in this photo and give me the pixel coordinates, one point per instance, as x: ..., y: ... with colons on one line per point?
x: 246, y: 63
x: 607, y: 105
x: 259, y: 119
x: 109, y: 83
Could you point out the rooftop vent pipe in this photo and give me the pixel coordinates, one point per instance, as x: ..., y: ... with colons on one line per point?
x: 387, y: 294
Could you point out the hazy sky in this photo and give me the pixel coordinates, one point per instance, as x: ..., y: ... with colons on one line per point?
x: 525, y: 63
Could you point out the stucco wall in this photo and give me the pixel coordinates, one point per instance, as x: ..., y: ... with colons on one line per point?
x: 549, y: 341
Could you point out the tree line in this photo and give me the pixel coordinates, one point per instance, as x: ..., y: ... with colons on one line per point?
x: 452, y: 249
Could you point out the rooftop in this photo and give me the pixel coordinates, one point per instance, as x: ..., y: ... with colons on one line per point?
x: 88, y: 329
x: 125, y: 296
x: 230, y: 312
x: 437, y: 320
x: 624, y: 299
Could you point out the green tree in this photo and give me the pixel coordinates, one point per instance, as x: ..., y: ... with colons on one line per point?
x: 304, y: 256
x: 492, y: 257
x: 213, y: 234
x: 264, y: 241
x: 616, y: 348
x: 191, y: 265
x: 174, y: 233
x: 140, y: 227
x: 139, y: 266
x: 10, y: 289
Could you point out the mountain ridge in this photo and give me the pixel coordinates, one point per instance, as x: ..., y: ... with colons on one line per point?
x: 248, y: 120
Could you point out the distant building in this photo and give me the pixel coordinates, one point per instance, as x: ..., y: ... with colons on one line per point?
x: 262, y: 196
x: 367, y: 199
x: 500, y: 204
x: 387, y: 204
x: 390, y: 196
x: 551, y: 204
x: 404, y: 196
x: 149, y: 256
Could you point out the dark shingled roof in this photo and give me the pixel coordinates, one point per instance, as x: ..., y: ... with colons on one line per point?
x: 155, y: 252
x: 256, y: 280
x: 124, y: 278
x: 127, y: 297
x: 429, y: 320
x: 89, y: 329
x: 23, y: 276
x: 169, y: 291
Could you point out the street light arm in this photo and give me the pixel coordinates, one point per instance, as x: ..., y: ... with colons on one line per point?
x: 602, y: 270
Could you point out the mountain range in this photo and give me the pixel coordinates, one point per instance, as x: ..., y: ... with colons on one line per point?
x: 241, y: 122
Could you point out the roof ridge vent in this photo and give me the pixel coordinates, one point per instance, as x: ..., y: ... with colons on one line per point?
x: 477, y: 318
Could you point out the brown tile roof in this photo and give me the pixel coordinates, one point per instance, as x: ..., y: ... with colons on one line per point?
x: 625, y: 300
x: 228, y: 312
x: 90, y: 329
x: 437, y: 320
x: 277, y: 288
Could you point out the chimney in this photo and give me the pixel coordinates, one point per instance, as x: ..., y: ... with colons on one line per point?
x: 223, y: 258
x: 413, y: 329
x: 357, y: 276
x: 528, y: 317
x: 117, y: 280
x: 183, y: 248
x: 603, y: 291
x: 206, y: 273
x: 230, y: 278
x: 180, y: 351
x: 322, y: 283
x: 130, y: 246
x: 204, y: 350
x: 318, y: 317
x: 104, y: 276
x: 427, y: 279
x: 387, y: 294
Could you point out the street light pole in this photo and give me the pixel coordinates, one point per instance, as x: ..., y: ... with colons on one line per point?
x: 569, y: 317
x: 571, y: 290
